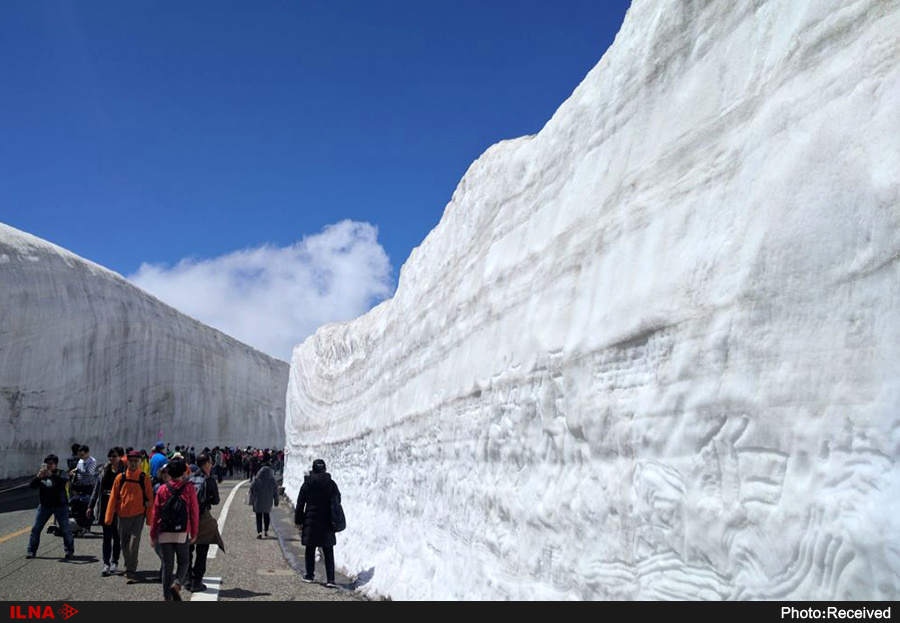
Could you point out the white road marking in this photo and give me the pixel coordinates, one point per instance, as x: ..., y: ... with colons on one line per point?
x: 214, y: 549
x: 212, y: 590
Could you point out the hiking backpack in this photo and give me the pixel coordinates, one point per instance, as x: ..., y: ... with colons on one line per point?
x: 174, y: 514
x: 139, y: 481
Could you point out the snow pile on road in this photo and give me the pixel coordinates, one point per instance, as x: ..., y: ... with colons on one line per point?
x: 652, y: 351
x: 86, y: 356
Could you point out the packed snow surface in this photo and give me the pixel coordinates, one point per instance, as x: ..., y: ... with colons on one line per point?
x: 87, y: 357
x: 652, y: 351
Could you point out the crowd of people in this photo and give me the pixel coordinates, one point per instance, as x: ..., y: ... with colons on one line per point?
x: 171, y: 491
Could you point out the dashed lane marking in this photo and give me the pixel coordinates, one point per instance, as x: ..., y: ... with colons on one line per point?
x: 213, y: 585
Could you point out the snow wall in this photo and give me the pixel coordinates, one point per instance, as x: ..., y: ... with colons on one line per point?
x: 87, y: 357
x: 652, y: 351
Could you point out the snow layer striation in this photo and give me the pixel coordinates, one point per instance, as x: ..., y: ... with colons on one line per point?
x: 650, y: 352
x: 86, y: 356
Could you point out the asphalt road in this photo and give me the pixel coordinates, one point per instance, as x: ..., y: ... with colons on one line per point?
x: 250, y: 569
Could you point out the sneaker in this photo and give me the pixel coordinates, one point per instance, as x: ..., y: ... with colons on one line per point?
x: 130, y: 578
x: 259, y: 535
x: 176, y: 591
x: 198, y: 588
x: 113, y: 568
x: 104, y: 572
x: 266, y: 534
x: 330, y: 585
x: 69, y: 555
x: 307, y: 578
x: 29, y: 554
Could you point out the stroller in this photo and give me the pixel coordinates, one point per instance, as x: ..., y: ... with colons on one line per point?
x: 79, y: 522
x: 78, y: 507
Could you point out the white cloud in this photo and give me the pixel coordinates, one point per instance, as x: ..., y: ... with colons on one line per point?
x: 273, y: 298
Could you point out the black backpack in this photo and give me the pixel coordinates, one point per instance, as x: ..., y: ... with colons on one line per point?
x: 199, y: 481
x: 338, y: 521
x: 174, y: 512
x: 139, y: 481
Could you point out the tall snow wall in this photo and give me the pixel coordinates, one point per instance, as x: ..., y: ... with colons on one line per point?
x: 652, y: 351
x: 85, y: 356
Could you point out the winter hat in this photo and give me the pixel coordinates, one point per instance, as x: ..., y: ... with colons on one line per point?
x: 318, y: 466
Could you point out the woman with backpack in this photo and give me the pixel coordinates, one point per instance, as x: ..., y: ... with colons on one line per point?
x: 162, y: 477
x: 263, y: 494
x: 112, y: 545
x: 176, y: 519
x: 313, y: 515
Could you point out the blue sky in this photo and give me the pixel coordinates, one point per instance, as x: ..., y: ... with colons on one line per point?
x: 138, y: 133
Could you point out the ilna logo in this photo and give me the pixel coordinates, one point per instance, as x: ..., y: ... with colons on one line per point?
x: 37, y: 612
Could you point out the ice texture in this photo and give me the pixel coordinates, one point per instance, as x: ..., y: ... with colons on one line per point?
x: 86, y: 356
x: 652, y: 351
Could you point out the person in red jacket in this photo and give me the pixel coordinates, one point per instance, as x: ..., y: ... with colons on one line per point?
x: 174, y: 527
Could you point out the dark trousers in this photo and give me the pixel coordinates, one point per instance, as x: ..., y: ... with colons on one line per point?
x: 130, y: 529
x: 41, y: 517
x: 171, y: 551
x: 328, y: 553
x: 111, y: 542
x: 198, y: 569
x: 262, y: 518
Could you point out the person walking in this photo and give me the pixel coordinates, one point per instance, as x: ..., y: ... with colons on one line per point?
x: 112, y: 544
x: 176, y: 519
x: 162, y: 477
x: 131, y: 501
x: 208, y: 533
x: 263, y: 495
x: 84, y: 476
x: 313, y: 516
x: 219, y: 458
x: 158, y: 459
x: 230, y: 463
x: 53, y: 502
x: 72, y: 461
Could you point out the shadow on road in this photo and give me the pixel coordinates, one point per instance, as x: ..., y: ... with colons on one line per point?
x: 363, y: 578
x: 240, y: 593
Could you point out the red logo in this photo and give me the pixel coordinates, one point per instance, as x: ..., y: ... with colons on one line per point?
x: 38, y: 612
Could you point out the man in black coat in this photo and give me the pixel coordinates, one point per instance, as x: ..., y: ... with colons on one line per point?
x: 313, y: 516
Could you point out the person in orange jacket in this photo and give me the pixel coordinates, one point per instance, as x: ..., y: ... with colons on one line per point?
x: 132, y: 501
